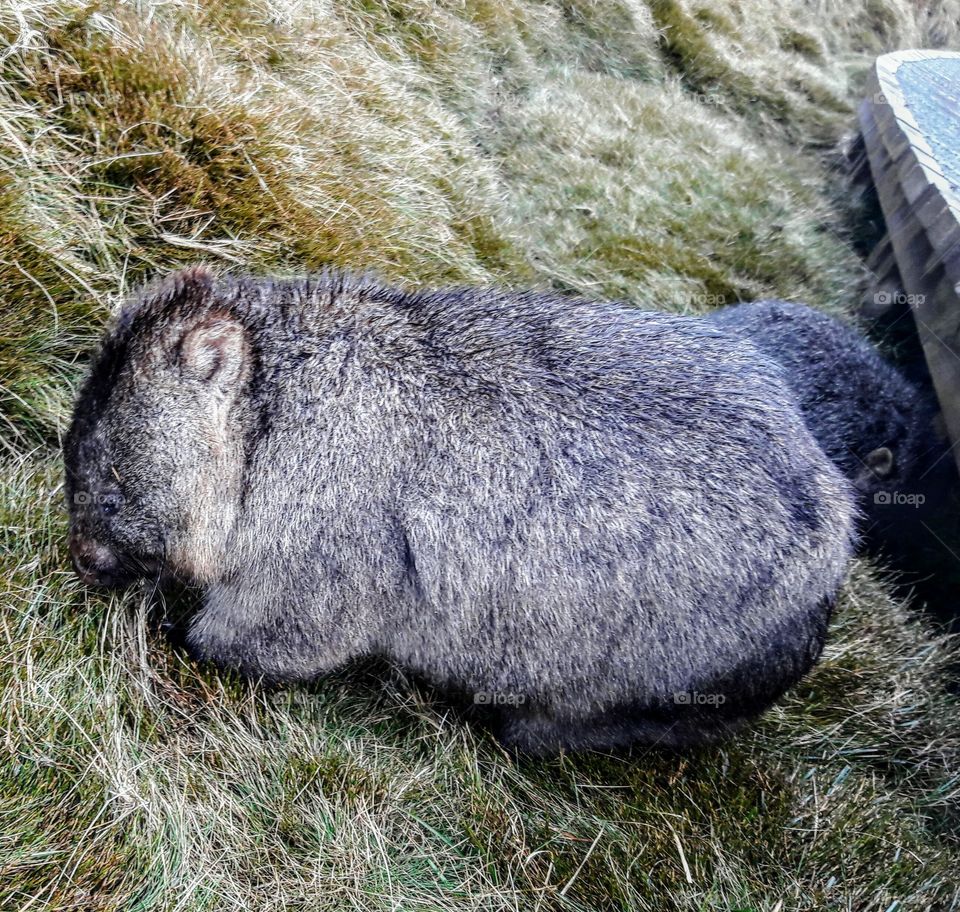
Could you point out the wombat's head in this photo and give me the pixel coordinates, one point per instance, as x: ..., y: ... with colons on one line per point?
x: 154, y: 453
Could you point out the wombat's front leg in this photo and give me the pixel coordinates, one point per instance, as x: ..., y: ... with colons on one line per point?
x: 277, y: 635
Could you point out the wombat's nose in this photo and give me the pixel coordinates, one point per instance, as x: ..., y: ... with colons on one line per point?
x: 96, y: 564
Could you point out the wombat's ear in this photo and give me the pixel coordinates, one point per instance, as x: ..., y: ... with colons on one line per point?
x: 877, y: 465
x: 215, y: 352
x: 880, y: 461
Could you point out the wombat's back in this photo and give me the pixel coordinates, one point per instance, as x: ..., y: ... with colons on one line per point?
x: 611, y: 507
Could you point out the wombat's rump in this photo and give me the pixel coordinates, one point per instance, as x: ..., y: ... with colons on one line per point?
x: 612, y: 523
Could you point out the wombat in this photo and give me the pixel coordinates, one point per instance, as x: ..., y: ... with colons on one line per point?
x: 612, y: 525
x: 878, y: 427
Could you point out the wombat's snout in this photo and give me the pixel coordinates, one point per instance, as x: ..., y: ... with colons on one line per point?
x: 96, y: 564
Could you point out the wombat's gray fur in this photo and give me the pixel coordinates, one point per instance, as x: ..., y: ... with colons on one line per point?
x: 876, y: 425
x: 615, y: 522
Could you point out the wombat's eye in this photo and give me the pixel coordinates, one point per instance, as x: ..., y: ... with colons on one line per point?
x: 110, y: 504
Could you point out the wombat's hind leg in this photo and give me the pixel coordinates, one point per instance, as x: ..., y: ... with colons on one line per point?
x: 539, y: 735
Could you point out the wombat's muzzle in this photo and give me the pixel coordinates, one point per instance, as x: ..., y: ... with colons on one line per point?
x: 98, y: 565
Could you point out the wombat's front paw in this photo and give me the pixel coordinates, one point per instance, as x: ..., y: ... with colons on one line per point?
x: 206, y: 644
x: 230, y: 652
x: 266, y: 651
x: 531, y: 733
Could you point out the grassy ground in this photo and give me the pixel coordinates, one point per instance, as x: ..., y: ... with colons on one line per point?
x: 674, y: 153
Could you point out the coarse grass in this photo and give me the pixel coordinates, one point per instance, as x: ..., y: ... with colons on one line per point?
x: 673, y: 154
